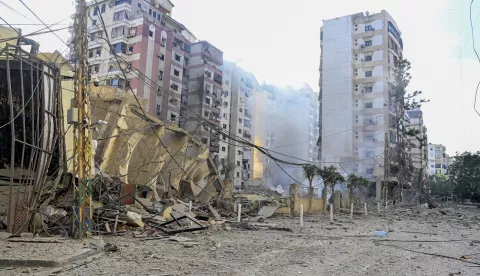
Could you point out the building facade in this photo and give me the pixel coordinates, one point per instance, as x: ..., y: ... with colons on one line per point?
x: 204, y: 93
x: 418, y: 144
x: 239, y: 90
x: 438, y: 159
x: 358, y: 54
x: 153, y: 50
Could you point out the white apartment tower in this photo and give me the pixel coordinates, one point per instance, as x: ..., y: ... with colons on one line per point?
x: 237, y: 109
x: 357, y: 63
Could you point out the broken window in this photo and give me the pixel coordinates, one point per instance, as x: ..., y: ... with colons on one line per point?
x: 178, y: 57
x: 208, y: 100
x: 223, y: 149
x: 176, y: 73
x: 239, y: 131
x: 173, y: 117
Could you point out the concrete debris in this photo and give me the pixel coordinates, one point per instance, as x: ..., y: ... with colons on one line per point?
x: 267, y: 211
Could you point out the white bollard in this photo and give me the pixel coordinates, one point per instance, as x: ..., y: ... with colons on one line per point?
x: 239, y: 212
x: 301, y: 215
x: 351, y: 211
x: 190, y: 206
x: 386, y: 207
x: 378, y: 207
x: 365, y: 204
x: 331, y: 213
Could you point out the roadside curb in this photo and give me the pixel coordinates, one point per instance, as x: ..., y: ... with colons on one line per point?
x: 49, y: 263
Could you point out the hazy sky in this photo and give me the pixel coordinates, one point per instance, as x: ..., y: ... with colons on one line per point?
x: 278, y: 41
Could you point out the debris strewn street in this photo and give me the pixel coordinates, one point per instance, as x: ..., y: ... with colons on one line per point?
x: 420, y: 241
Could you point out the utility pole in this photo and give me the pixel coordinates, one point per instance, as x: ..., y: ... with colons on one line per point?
x: 82, y: 155
x: 386, y: 166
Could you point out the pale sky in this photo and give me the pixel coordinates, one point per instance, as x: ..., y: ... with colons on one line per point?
x: 279, y: 42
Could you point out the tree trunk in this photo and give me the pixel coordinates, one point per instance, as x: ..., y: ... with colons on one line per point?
x: 324, y: 197
x: 351, y: 196
x: 333, y: 194
x: 310, y: 196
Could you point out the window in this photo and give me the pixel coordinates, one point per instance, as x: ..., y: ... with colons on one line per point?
x: 158, y: 16
x: 240, y: 109
x: 103, y: 8
x: 239, y: 131
x: 121, y: 15
x: 369, y: 154
x: 368, y: 105
x: 239, y: 152
x: 368, y: 28
x: 130, y: 50
x: 174, y: 86
x: 139, y: 5
x: 160, y: 75
x: 238, y: 163
x: 173, y: 117
x: 150, y: 11
x: 90, y: 54
x: 120, y: 47
x: 240, y: 120
x: 369, y: 171
x: 225, y: 115
x: 208, y: 100
x: 176, y: 73
x: 154, y: 14
x: 178, y: 57
x: 368, y: 58
x: 225, y: 104
x: 162, y: 57
x: 206, y: 113
x: 225, y: 93
x: 224, y: 126
x: 224, y: 137
x: 238, y: 174
x: 368, y: 43
x: 368, y: 89
x: 150, y: 33
x: 95, y: 11
x: 223, y: 149
x: 94, y: 22
x: 368, y: 74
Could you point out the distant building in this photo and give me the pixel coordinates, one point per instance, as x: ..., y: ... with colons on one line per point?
x: 237, y: 118
x: 419, y: 148
x: 281, y: 113
x: 438, y: 159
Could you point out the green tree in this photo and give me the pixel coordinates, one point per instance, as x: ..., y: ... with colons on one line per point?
x: 439, y: 185
x: 399, y: 161
x: 354, y: 181
x: 330, y: 177
x: 310, y: 172
x: 465, y: 174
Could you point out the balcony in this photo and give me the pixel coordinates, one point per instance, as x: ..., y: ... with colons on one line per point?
x: 214, y: 146
x: 217, y: 78
x: 248, y: 113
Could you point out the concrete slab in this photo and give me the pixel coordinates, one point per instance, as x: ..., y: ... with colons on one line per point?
x: 267, y: 211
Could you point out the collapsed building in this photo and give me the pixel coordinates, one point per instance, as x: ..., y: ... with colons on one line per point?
x: 148, y: 158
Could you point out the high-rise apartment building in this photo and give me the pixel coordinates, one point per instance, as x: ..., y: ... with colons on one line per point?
x: 237, y: 119
x: 418, y: 148
x: 153, y: 49
x: 358, y: 54
x: 438, y: 159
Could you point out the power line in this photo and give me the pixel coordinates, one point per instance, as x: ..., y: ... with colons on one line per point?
x: 478, y: 57
x: 43, y: 22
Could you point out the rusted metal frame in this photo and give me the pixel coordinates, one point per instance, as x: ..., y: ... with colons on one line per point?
x: 12, y: 150
x: 23, y: 120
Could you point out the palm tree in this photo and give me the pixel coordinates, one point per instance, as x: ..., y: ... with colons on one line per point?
x: 355, y: 181
x: 330, y: 177
x: 310, y: 172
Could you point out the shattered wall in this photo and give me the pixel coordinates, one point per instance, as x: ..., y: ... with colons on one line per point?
x: 138, y: 150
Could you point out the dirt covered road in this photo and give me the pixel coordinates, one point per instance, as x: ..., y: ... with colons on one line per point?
x: 319, y: 248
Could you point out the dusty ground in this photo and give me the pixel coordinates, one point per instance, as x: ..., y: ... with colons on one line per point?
x: 319, y: 248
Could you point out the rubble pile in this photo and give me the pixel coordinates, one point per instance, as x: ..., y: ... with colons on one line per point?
x: 260, y: 190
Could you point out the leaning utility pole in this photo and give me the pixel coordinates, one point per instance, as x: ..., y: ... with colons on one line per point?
x: 82, y: 155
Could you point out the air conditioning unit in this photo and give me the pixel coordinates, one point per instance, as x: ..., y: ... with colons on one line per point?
x: 144, y: 10
x: 159, y: 55
x: 129, y: 52
x: 372, y: 29
x: 362, y: 46
x: 97, y: 56
x: 94, y: 72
